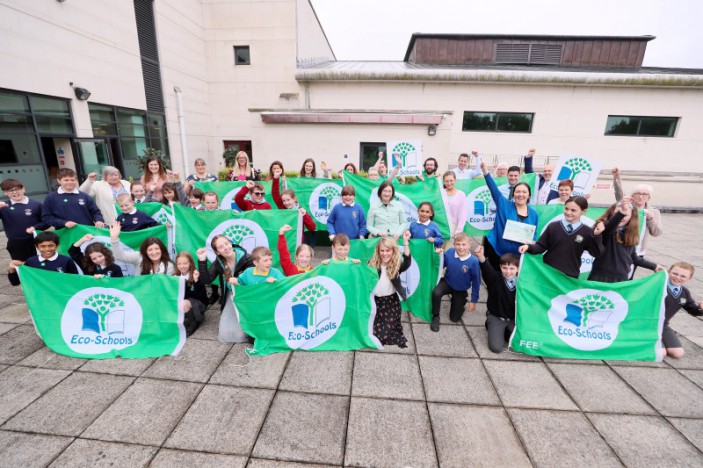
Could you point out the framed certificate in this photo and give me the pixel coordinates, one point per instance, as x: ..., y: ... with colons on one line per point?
x: 519, y: 232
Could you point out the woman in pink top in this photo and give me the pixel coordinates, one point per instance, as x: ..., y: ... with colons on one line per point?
x: 456, y: 201
x: 242, y: 170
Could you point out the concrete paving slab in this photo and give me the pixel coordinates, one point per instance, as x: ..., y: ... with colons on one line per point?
x: 146, y: 413
x: 392, y: 349
x: 14, y: 313
x: 667, y: 390
x: 20, y: 386
x: 527, y: 385
x: 167, y: 458
x: 561, y: 438
x: 47, y: 359
x: 389, y: 433
x: 683, y: 323
x: 238, y: 368
x: 476, y: 318
x: 646, y: 441
x: 692, y: 429
x: 387, y: 376
x: 694, y: 376
x: 95, y: 453
x: 650, y: 364
x: 209, y: 329
x: 593, y: 362
x: 473, y: 436
x: 6, y: 327
x: 222, y: 420
x: 449, y: 341
x: 692, y: 359
x: 696, y: 339
x: 71, y: 406
x: 319, y: 372
x: 305, y: 428
x: 479, y: 339
x: 262, y: 463
x: 133, y: 367
x: 20, y: 449
x: 18, y: 343
x: 599, y: 389
x: 196, y: 362
x: 455, y: 380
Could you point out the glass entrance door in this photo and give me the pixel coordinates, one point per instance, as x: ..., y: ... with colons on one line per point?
x: 93, y: 156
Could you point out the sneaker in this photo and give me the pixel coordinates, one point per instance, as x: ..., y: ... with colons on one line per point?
x: 434, y: 326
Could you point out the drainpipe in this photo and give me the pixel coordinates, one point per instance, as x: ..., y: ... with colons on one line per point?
x: 182, y: 128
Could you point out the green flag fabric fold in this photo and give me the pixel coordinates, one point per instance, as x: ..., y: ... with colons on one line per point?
x: 84, y: 317
x: 226, y: 191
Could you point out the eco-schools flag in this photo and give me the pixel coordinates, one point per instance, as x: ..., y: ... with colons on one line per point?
x: 226, y: 191
x: 162, y: 214
x: 83, y: 317
x: 259, y: 228
x: 410, y: 195
x: 581, y: 171
x: 418, y: 281
x: 562, y: 317
x: 317, y: 196
x: 328, y: 308
x: 130, y: 241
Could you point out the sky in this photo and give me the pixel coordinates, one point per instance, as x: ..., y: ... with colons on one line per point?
x: 381, y: 29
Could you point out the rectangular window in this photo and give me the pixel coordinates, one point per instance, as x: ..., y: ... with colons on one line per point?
x: 497, y: 122
x: 241, y: 55
x: 641, y: 126
x: 369, y: 154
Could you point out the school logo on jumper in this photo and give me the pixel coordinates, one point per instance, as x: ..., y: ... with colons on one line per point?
x: 410, y: 278
x: 243, y: 232
x: 98, y: 320
x: 127, y: 268
x: 482, y: 210
x: 586, y: 258
x: 310, y: 313
x: 323, y: 199
x: 408, y: 206
x: 587, y: 319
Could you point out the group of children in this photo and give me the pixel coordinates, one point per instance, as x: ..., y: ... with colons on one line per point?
x: 611, y: 242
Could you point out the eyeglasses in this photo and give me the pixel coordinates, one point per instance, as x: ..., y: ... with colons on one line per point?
x: 260, y: 194
x: 642, y: 194
x: 13, y: 191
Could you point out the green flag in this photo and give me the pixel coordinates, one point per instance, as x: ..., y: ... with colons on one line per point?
x: 410, y: 195
x: 226, y: 191
x: 130, y: 241
x: 196, y: 228
x: 562, y: 317
x: 84, y: 317
x: 482, y: 210
x: 161, y: 213
x: 329, y: 308
x: 418, y: 281
x: 317, y: 196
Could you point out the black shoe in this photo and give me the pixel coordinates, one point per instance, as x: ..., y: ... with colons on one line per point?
x: 434, y: 326
x: 214, y: 297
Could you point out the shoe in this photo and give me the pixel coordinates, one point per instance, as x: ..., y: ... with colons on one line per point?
x: 434, y: 326
x: 214, y: 297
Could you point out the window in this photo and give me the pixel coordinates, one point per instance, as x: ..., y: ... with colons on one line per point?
x: 641, y: 126
x: 497, y: 122
x: 369, y: 154
x: 241, y: 55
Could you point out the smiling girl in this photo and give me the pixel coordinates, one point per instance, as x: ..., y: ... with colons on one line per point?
x: 425, y: 227
x: 152, y: 257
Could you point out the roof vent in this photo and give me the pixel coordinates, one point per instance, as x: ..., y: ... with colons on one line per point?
x: 526, y: 54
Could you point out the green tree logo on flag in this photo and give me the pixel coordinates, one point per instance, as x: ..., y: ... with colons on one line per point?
x: 97, y: 320
x: 587, y: 319
x: 310, y: 312
x: 163, y: 217
x: 243, y: 232
x: 577, y: 169
x: 323, y: 199
x: 481, y: 208
x: 405, y: 149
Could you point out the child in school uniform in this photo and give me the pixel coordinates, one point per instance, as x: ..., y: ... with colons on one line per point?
x: 97, y: 260
x: 461, y: 274
x: 286, y: 200
x: 138, y: 192
x: 20, y: 217
x: 389, y: 291
x: 46, y: 243
x: 678, y: 297
x: 132, y: 219
x: 68, y: 206
x: 425, y: 227
x: 340, y: 251
x: 347, y: 217
x: 256, y: 193
x: 195, y: 298
x: 195, y: 198
x: 211, y: 201
x: 261, y: 272
x: 567, y: 239
x: 303, y: 255
x: 500, y: 319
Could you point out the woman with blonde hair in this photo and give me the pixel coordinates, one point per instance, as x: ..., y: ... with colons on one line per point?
x: 242, y: 170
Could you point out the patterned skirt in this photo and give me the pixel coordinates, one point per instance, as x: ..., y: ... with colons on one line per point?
x: 386, y: 325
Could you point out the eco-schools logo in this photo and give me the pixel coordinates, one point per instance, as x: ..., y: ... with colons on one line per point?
x: 410, y: 278
x: 408, y: 206
x: 243, y: 232
x: 323, y: 199
x: 482, y: 209
x: 587, y: 319
x: 127, y: 268
x: 98, y: 320
x: 579, y: 170
x: 310, y: 313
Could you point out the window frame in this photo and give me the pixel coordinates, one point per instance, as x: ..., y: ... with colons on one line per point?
x: 497, y: 118
x: 242, y: 48
x: 640, y: 119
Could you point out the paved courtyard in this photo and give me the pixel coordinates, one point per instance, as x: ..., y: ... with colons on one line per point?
x: 444, y: 401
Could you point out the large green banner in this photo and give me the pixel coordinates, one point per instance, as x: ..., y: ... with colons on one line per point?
x: 196, y: 228
x: 84, y: 317
x: 482, y: 210
x: 317, y: 196
x: 418, y: 281
x: 327, y: 309
x: 130, y: 241
x: 226, y: 191
x: 161, y: 213
x: 562, y: 317
x: 410, y: 195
